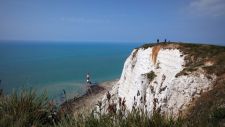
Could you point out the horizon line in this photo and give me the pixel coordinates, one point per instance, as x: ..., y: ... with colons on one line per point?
x: 105, y: 42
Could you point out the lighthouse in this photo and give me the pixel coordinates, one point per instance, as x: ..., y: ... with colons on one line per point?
x: 88, y: 78
x: 88, y: 84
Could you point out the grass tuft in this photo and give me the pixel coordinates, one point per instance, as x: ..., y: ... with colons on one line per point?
x: 151, y: 75
x: 23, y: 108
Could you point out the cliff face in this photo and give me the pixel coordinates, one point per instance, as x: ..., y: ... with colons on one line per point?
x: 153, y: 78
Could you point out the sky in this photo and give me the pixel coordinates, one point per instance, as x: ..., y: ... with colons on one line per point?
x: 113, y: 20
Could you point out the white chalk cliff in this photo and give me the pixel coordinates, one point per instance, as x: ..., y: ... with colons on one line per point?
x: 162, y: 89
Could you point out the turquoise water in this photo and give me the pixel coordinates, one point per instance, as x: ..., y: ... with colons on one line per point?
x: 57, y: 66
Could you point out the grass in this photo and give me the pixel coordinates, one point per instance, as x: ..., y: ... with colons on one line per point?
x: 151, y: 75
x: 196, y: 55
x: 23, y: 108
x: 26, y: 108
x: 145, y: 46
x: 134, y: 54
x: 209, y: 108
x: 217, y: 116
x: 135, y: 118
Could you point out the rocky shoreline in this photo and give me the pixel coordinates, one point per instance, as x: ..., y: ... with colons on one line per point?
x: 87, y: 101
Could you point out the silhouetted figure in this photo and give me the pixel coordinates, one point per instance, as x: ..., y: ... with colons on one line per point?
x: 165, y: 40
x: 157, y: 40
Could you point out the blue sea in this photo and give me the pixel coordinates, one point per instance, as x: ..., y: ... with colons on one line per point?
x: 54, y: 66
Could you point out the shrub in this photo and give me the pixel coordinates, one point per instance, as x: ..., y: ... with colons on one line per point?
x: 151, y: 75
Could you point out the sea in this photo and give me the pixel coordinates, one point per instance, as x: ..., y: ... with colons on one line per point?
x: 54, y: 67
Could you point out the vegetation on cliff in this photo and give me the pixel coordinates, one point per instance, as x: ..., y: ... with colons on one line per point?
x: 26, y: 108
x: 211, y: 58
x: 208, y: 109
x: 151, y: 75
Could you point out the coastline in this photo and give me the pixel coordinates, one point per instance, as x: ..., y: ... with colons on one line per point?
x: 87, y: 101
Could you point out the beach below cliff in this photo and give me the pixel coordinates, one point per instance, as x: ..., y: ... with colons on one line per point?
x: 87, y: 101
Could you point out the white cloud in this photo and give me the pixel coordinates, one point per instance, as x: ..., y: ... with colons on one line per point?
x: 207, y: 7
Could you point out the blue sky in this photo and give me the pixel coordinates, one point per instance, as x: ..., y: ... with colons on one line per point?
x: 113, y: 20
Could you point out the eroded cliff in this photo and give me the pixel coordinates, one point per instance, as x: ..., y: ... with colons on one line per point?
x: 167, y: 77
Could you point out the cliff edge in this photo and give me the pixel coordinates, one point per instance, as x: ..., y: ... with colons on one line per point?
x: 171, y: 78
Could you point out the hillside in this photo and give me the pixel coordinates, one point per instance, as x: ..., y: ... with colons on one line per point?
x: 175, y: 79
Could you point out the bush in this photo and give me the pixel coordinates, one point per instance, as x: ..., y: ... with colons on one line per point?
x: 151, y: 75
